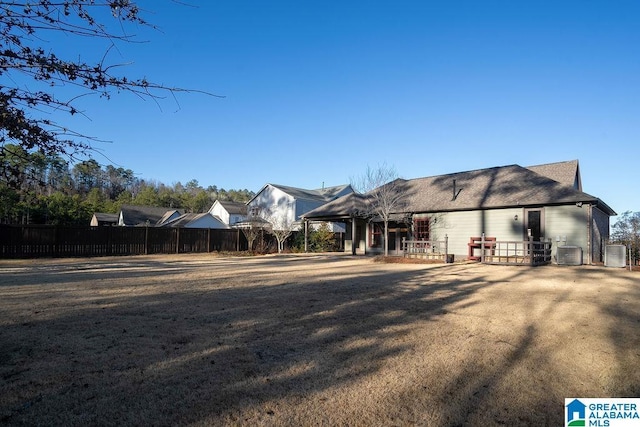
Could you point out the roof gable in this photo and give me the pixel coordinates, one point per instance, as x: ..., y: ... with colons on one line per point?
x: 567, y: 173
x: 168, y: 216
x: 235, y: 208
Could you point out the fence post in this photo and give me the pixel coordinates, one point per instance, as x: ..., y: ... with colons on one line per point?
x: 19, y: 243
x: 177, y: 240
x: 56, y: 239
x: 531, y: 251
x: 306, y: 235
x: 146, y: 240
x: 109, y: 249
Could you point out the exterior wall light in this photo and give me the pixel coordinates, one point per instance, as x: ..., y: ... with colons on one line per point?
x: 515, y: 217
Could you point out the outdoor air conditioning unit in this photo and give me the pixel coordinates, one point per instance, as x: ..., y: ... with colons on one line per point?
x: 615, y: 256
x: 569, y: 255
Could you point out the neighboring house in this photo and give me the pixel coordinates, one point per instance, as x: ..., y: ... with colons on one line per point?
x: 149, y: 216
x: 509, y: 203
x: 228, y: 212
x: 193, y: 220
x: 103, y: 219
x: 283, y: 206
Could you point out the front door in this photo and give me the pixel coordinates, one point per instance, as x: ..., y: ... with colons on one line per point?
x: 397, y: 231
x: 534, y: 224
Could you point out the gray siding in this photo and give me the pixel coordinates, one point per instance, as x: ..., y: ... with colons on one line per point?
x: 563, y: 225
x: 560, y: 222
x: 567, y: 225
x: 461, y: 226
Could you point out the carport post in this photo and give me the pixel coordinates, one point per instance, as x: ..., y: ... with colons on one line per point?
x: 353, y: 235
x: 306, y: 235
x: 446, y: 248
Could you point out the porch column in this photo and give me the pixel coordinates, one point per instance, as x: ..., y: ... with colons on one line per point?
x: 353, y: 235
x: 306, y: 235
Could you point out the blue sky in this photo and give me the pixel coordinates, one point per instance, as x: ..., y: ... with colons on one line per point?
x: 316, y: 91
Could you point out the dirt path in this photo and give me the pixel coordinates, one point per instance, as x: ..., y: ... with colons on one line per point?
x: 307, y: 340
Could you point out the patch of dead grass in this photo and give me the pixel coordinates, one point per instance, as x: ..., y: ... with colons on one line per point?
x: 309, y: 339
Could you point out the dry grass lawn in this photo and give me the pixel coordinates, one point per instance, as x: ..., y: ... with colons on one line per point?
x: 310, y: 340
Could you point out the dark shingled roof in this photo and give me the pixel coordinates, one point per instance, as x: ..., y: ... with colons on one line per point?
x: 320, y: 195
x: 236, y: 208
x: 567, y: 173
x: 185, y: 219
x: 498, y: 187
x: 106, y: 217
x: 140, y: 215
x: 352, y: 204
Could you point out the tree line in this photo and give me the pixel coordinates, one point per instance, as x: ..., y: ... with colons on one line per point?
x: 47, y: 189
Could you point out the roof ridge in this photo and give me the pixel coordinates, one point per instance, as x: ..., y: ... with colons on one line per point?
x: 465, y: 172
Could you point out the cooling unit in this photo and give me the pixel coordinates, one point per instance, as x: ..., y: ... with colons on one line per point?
x: 569, y: 255
x: 615, y: 256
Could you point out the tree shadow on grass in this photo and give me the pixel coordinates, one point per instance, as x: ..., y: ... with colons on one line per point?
x: 626, y: 339
x: 232, y: 354
x: 87, y: 270
x: 528, y: 383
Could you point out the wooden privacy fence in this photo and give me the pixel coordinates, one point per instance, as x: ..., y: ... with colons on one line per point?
x: 33, y: 241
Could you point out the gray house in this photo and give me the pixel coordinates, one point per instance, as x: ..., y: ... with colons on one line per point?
x: 507, y: 203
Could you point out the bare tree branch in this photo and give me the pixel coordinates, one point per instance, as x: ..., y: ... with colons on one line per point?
x: 24, y: 26
x: 381, y: 186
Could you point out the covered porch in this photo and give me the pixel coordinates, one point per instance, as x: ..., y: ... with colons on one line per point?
x: 349, y: 210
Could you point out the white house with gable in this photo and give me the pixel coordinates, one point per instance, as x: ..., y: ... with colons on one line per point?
x: 229, y: 212
x: 283, y: 206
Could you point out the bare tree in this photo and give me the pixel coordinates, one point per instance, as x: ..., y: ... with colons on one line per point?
x: 37, y: 82
x: 381, y: 185
x: 626, y: 231
x: 280, y: 226
x: 252, y: 228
